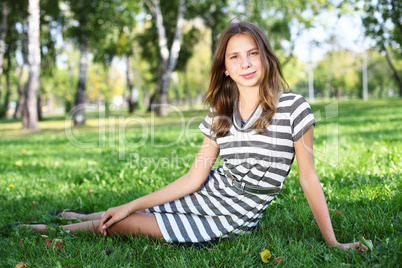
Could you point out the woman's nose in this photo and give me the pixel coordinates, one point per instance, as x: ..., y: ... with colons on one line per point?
x: 245, y: 63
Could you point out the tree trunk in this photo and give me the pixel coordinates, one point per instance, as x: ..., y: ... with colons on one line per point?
x: 21, y: 96
x: 395, y: 72
x: 7, y: 73
x: 187, y: 89
x: 214, y: 39
x: 3, y: 30
x: 30, y: 115
x: 79, y: 115
x: 130, y: 85
x: 168, y: 58
x: 39, y: 107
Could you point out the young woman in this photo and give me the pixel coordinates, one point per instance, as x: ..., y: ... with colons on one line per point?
x: 257, y: 130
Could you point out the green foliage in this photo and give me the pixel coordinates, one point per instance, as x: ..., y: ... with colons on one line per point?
x: 338, y: 73
x: 277, y: 17
x: 99, y: 23
x: 360, y: 172
x: 382, y: 21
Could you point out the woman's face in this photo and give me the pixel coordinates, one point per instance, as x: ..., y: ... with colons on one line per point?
x: 243, y: 62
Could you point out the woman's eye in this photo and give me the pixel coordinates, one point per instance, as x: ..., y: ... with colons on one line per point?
x: 254, y: 53
x: 233, y: 57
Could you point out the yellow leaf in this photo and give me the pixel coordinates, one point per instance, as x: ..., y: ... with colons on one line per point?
x: 265, y: 255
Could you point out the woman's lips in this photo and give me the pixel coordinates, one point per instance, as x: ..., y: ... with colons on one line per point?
x: 247, y: 76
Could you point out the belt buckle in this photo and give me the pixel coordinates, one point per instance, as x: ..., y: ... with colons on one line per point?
x: 230, y: 176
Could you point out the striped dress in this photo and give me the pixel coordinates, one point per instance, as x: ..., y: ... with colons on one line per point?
x: 264, y: 160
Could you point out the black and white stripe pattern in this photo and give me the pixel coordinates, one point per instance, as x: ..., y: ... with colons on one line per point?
x: 259, y: 159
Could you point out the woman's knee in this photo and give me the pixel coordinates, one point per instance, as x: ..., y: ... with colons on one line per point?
x: 137, y: 224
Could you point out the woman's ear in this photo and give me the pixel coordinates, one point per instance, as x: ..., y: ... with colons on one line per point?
x: 226, y: 73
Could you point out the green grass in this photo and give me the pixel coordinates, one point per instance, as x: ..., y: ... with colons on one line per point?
x: 358, y: 159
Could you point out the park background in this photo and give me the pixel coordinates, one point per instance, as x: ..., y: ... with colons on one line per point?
x: 119, y: 59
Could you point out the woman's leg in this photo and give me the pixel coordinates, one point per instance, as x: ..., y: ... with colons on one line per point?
x: 137, y: 223
x: 86, y: 217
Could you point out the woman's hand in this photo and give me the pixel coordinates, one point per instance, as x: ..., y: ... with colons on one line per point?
x: 359, y: 246
x: 111, y: 216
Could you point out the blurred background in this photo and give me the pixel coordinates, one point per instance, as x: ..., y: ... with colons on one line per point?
x: 130, y: 54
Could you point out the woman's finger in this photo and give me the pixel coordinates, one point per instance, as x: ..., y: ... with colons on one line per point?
x: 109, y: 222
x: 102, y: 221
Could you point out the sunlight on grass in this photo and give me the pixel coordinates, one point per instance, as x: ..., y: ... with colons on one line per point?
x: 358, y: 159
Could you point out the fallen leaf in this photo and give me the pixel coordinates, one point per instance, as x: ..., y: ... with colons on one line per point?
x: 107, y: 251
x: 167, y: 244
x: 18, y: 163
x: 294, y: 198
x: 23, y: 151
x: 21, y: 265
x: 34, y: 203
x: 44, y: 236
x: 338, y: 212
x: 58, y: 244
x: 47, y: 243
x: 22, y: 241
x: 265, y: 255
x: 366, y: 242
x: 91, y: 191
x: 56, y: 163
x: 278, y: 260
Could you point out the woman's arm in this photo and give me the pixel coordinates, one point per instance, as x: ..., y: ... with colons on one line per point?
x: 187, y: 184
x: 312, y: 189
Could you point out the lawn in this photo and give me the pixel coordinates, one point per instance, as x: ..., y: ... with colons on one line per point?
x: 116, y: 158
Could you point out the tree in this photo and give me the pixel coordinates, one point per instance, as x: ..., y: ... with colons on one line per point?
x: 5, y: 10
x: 338, y: 73
x: 8, y: 44
x: 89, y: 25
x: 30, y: 116
x: 382, y: 22
x: 168, y: 57
x: 122, y: 45
x: 276, y: 17
x: 215, y: 16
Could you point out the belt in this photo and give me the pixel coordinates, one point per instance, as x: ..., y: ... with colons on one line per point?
x: 251, y: 188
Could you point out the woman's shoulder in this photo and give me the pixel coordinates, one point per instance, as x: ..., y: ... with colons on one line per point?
x: 289, y: 99
x: 289, y: 96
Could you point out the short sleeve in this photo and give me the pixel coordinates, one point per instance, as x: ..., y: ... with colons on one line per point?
x: 301, y: 117
x: 205, y: 126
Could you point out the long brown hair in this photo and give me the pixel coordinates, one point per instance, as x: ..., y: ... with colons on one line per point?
x: 222, y: 91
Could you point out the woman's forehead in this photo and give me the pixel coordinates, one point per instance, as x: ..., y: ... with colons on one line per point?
x: 240, y: 42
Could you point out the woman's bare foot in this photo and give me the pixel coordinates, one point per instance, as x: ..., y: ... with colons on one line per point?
x: 83, y: 217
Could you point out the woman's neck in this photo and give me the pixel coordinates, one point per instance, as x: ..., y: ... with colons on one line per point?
x: 247, y: 105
